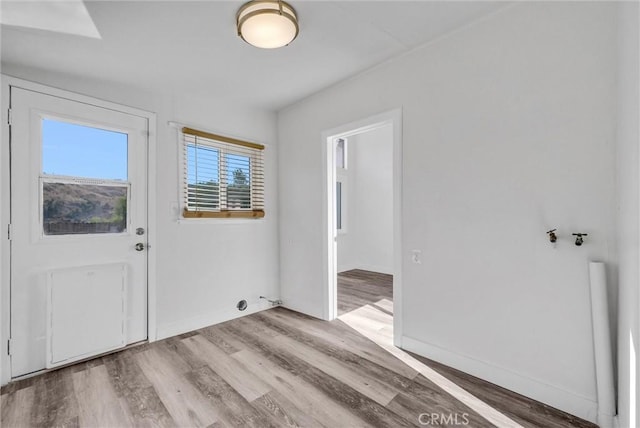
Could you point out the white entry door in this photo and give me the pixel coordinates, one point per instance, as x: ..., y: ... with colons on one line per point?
x: 78, y: 230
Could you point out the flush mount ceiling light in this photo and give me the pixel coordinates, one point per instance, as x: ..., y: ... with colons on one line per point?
x: 267, y: 24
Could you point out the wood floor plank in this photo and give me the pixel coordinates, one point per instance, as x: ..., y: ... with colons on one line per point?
x: 231, y: 407
x: 358, y: 380
x: 55, y: 403
x: 282, y: 412
x: 130, y: 383
x: 184, y: 402
x: 386, y: 305
x: 415, y: 406
x: 17, y: 408
x: 172, y: 351
x: 309, y: 399
x: 232, y: 371
x: 337, y: 359
x: 342, y: 336
x: 147, y: 409
x: 367, y: 318
x: 229, y: 345
x: 98, y: 404
x: 357, y: 288
x: 361, y: 405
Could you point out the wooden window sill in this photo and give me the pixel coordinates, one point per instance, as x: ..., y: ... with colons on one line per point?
x: 223, y: 214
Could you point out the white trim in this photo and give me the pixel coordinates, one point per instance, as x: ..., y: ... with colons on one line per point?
x: 207, y: 319
x: 375, y: 268
x: 360, y: 266
x: 74, y: 96
x: 5, y: 247
x: 552, y: 395
x: 152, y: 227
x: 5, y: 191
x: 346, y: 267
x: 393, y: 117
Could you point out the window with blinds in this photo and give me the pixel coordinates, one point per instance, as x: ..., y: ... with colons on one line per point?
x: 222, y: 176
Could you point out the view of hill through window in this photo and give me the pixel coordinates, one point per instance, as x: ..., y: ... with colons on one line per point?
x: 79, y: 153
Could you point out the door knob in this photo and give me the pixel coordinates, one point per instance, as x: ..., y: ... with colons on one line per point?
x: 139, y: 246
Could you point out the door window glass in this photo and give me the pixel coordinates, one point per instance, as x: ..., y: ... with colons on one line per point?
x: 75, y: 150
x: 84, y: 179
x: 71, y: 209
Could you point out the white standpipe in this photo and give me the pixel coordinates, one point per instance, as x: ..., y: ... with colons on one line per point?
x: 602, y: 345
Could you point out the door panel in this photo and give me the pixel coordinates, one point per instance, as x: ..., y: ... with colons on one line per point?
x: 102, y: 291
x: 78, y: 193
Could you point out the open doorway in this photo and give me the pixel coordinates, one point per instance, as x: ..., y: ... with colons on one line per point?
x: 363, y: 222
x: 364, y: 219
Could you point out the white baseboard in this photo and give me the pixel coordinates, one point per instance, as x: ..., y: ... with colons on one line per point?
x: 302, y: 307
x: 346, y: 267
x: 374, y: 268
x: 554, y: 396
x: 204, y: 320
x: 364, y: 266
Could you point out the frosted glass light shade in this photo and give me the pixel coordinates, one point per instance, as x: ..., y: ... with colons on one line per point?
x: 267, y: 24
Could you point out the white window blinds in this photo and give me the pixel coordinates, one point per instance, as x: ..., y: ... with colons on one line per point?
x: 222, y: 177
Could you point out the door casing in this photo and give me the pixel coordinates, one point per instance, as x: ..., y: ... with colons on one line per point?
x: 329, y: 259
x: 5, y: 208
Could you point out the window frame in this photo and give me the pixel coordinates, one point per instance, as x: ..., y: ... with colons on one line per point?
x: 223, y: 146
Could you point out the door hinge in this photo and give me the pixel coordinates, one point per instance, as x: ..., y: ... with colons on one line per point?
x: 9, y: 347
x: 10, y: 117
x: 9, y: 231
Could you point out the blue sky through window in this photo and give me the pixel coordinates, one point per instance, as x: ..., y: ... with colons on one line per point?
x: 203, y: 165
x: 82, y: 151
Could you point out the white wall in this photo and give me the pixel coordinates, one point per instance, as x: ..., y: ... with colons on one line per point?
x: 346, y: 248
x: 368, y: 241
x: 204, y: 267
x: 628, y: 168
x: 508, y: 131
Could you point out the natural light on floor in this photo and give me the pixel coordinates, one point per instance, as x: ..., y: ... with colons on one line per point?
x: 377, y: 326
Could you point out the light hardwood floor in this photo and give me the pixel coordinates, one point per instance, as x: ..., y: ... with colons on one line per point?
x: 274, y: 368
x: 357, y: 288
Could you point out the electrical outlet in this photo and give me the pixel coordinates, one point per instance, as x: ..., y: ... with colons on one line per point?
x: 416, y: 256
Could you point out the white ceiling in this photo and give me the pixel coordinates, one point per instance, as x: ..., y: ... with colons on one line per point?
x: 192, y: 47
